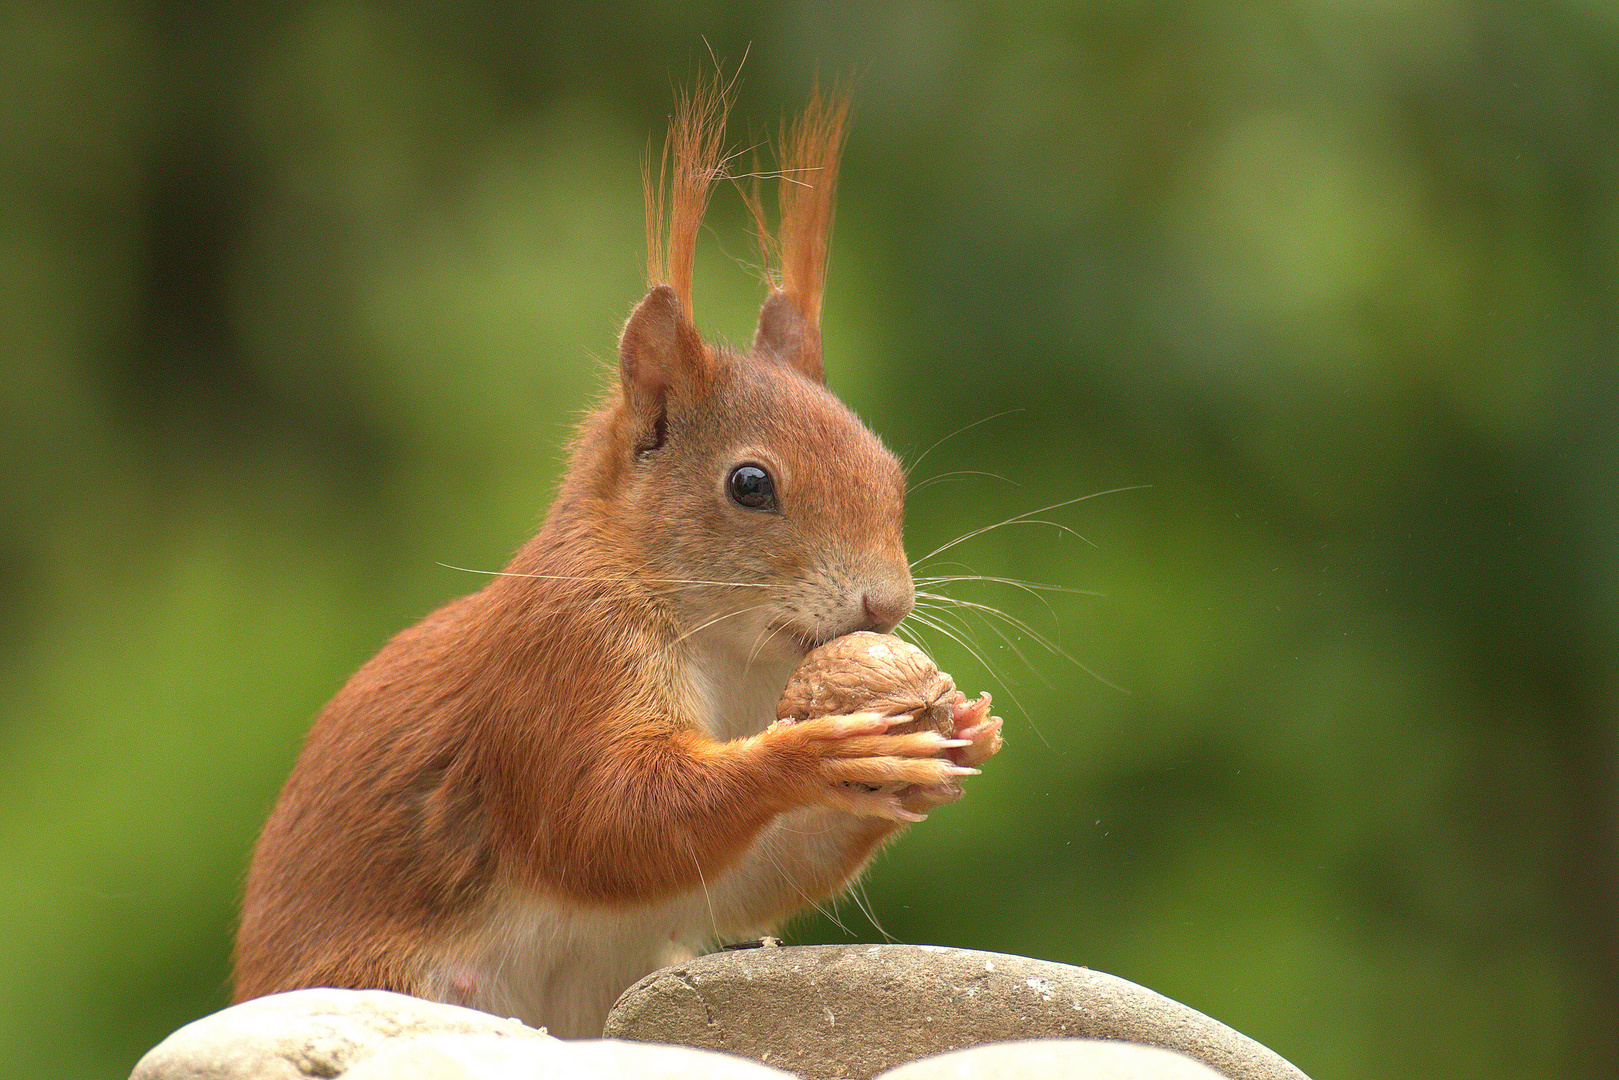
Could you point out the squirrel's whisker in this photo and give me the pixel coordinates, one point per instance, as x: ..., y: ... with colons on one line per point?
x: 1016, y: 649
x: 957, y: 474
x: 964, y: 428
x: 700, y: 627
x: 977, y: 654
x: 1011, y: 620
x: 1027, y: 586
x: 1023, y: 517
x: 945, y: 598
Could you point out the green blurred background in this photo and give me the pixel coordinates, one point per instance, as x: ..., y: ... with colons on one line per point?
x: 299, y: 300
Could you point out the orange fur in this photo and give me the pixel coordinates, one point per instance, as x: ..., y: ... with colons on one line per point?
x: 521, y: 801
x: 790, y: 322
x: 695, y: 143
x: 811, y: 150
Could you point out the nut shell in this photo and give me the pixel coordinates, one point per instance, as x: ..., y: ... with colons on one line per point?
x: 866, y: 672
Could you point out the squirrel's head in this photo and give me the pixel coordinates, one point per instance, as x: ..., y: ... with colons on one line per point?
x: 755, y: 493
x: 736, y: 479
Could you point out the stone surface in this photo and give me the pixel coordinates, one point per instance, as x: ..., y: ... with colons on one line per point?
x: 484, y: 1057
x: 1071, y: 1059
x: 312, y: 1033
x: 836, y: 1011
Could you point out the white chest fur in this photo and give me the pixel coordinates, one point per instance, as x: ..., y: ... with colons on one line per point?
x: 559, y: 965
x: 736, y: 693
x: 562, y: 965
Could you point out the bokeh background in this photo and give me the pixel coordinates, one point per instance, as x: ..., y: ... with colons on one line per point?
x: 300, y: 299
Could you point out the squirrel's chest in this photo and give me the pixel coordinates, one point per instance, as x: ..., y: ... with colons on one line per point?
x: 735, y: 696
x: 557, y: 964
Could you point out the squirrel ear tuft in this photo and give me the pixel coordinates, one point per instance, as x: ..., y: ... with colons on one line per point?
x: 785, y: 335
x: 660, y: 349
x: 790, y: 321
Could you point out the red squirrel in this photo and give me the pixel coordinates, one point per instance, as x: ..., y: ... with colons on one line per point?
x: 550, y: 788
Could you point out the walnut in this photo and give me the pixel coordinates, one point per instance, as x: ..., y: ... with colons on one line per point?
x: 865, y: 672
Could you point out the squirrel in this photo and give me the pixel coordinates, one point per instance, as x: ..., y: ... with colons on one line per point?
x: 554, y: 786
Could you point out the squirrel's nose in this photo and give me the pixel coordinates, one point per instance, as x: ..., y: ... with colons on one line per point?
x: 886, y: 609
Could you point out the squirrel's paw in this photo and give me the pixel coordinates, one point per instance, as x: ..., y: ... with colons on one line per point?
x: 894, y: 770
x: 980, y: 736
x: 973, y: 726
x: 856, y: 758
x: 864, y: 802
x: 920, y: 798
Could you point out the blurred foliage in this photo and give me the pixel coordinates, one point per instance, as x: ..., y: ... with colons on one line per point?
x: 300, y: 299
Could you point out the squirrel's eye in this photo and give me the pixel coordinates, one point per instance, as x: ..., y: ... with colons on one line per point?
x: 752, y: 487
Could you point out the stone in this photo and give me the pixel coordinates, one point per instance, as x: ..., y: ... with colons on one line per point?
x: 1072, y: 1059
x: 828, y: 1012
x: 483, y: 1057
x: 312, y: 1033
x: 377, y: 1035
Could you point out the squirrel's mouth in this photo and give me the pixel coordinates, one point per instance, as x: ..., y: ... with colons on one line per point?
x: 809, y: 640
x: 805, y: 640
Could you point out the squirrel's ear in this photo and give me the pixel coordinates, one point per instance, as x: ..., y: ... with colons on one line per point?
x: 785, y: 335
x: 660, y: 349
